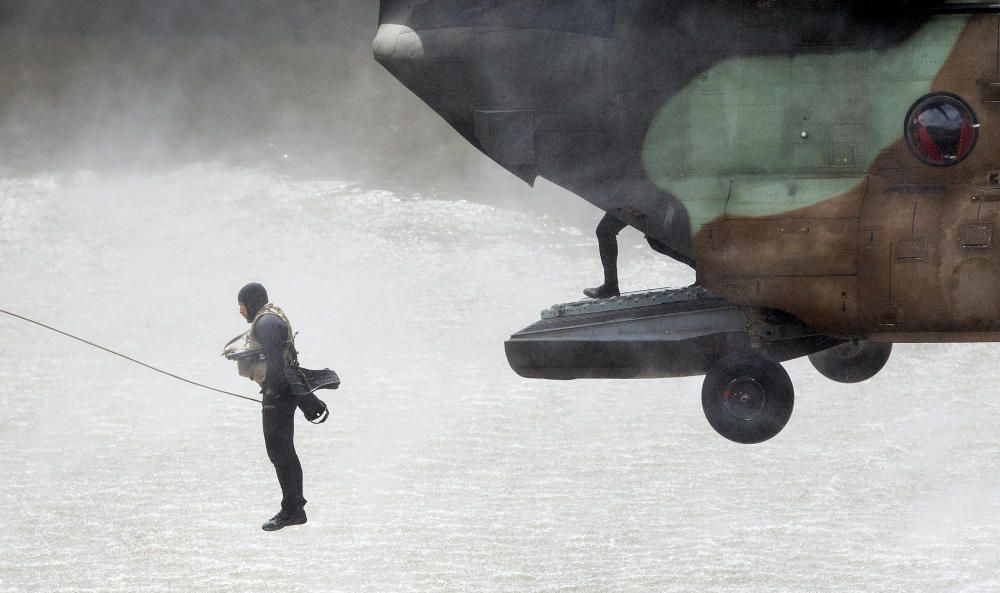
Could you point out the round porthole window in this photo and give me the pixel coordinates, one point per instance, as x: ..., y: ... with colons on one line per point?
x: 941, y: 129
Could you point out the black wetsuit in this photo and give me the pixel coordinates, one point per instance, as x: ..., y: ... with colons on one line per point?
x: 607, y: 243
x: 279, y: 412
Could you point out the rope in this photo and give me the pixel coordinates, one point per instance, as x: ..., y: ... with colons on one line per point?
x: 129, y: 358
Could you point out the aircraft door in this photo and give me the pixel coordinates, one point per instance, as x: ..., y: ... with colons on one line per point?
x: 897, y: 276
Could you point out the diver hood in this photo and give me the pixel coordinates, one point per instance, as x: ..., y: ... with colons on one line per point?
x: 254, y: 296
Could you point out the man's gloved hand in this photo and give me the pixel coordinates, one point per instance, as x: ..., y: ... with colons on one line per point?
x: 313, y: 408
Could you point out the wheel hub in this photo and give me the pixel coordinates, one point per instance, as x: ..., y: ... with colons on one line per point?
x: 847, y: 350
x: 744, y: 398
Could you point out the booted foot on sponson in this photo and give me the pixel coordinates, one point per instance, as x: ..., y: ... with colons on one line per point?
x: 604, y: 291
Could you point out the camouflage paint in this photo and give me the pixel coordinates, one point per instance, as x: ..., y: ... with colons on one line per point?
x: 757, y: 136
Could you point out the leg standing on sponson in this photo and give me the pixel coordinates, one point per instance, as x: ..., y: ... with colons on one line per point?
x: 607, y: 243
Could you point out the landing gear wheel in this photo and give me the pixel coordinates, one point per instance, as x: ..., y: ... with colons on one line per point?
x: 747, y: 398
x: 851, y: 362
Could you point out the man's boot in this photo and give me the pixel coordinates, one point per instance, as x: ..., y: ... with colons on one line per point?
x: 604, y: 291
x: 284, y: 519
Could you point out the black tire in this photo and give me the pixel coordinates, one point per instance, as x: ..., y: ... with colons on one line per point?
x: 747, y: 398
x: 852, y: 361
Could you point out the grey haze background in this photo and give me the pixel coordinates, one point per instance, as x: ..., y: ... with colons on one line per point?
x: 149, y: 147
x: 281, y: 84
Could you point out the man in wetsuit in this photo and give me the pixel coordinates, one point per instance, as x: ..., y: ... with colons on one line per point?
x: 607, y: 243
x: 271, y: 333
